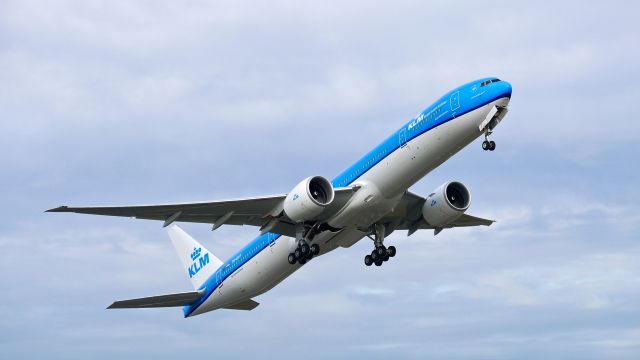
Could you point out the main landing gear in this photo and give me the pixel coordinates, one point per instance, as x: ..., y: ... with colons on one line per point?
x: 381, y: 253
x: 303, y: 252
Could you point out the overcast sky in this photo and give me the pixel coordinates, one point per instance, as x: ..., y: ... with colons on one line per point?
x: 125, y: 102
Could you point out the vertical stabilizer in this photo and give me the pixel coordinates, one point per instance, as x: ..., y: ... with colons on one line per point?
x: 199, y: 264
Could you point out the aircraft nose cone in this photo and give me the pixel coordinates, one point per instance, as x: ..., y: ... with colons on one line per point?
x: 505, y: 89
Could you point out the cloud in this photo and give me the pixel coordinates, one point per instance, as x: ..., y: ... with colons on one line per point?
x: 137, y: 102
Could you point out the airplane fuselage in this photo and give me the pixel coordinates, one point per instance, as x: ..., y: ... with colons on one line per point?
x: 383, y: 176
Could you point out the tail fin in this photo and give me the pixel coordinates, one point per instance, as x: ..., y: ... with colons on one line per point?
x: 198, y: 262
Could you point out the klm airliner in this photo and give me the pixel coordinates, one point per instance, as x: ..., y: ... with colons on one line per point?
x: 370, y: 199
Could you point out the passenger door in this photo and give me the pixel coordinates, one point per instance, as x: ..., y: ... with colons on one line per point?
x: 454, y: 103
x: 403, y: 138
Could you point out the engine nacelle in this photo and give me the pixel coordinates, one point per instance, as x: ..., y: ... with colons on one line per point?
x: 446, y: 204
x: 307, y: 199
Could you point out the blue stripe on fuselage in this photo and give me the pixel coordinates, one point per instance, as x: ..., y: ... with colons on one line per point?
x: 435, y: 115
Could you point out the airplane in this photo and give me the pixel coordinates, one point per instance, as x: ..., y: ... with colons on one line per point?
x: 368, y: 199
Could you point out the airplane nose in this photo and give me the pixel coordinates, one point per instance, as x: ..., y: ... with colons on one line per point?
x: 505, y: 89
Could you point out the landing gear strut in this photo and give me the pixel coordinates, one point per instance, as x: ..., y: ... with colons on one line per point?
x: 380, y: 253
x: 304, y: 252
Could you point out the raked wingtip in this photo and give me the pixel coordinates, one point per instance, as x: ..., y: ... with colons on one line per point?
x: 62, y: 208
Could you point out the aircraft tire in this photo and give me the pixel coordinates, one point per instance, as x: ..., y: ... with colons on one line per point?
x: 391, y: 250
x: 305, y: 248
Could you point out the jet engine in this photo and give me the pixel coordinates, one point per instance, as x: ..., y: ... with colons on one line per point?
x: 307, y: 199
x: 446, y: 204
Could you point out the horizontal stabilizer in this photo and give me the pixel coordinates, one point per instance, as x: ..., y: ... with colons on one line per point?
x: 245, y: 305
x: 170, y: 300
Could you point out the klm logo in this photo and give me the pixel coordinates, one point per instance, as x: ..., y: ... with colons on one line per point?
x: 295, y: 196
x: 198, y: 261
x: 433, y: 202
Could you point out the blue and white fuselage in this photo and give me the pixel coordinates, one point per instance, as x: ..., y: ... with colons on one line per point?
x: 383, y: 176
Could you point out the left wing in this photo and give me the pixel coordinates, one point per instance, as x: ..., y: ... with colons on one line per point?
x: 256, y: 211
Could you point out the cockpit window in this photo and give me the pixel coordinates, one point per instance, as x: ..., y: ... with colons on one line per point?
x: 487, y: 82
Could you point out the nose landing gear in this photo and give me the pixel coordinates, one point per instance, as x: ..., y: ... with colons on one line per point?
x: 488, y: 144
x: 381, y: 253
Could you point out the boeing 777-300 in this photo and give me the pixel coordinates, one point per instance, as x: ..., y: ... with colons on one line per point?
x: 369, y: 199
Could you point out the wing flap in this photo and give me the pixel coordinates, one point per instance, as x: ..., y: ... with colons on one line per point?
x: 470, y: 220
x: 170, y: 300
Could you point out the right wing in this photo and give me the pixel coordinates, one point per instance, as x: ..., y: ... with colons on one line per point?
x: 407, y: 215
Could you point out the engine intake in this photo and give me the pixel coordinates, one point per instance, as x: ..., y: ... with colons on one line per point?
x: 446, y: 204
x: 307, y: 199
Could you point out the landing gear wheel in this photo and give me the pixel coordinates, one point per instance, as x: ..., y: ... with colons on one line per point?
x: 492, y: 145
x: 391, y: 250
x: 292, y: 258
x: 297, y: 254
x: 485, y: 145
x: 302, y: 261
x: 368, y: 260
x: 380, y: 253
x: 315, y: 249
x: 305, y: 248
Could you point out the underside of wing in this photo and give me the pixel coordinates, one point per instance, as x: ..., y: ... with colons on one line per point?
x: 256, y: 211
x: 248, y: 211
x: 408, y: 216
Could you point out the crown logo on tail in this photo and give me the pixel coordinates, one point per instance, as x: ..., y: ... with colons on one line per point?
x: 196, y: 253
